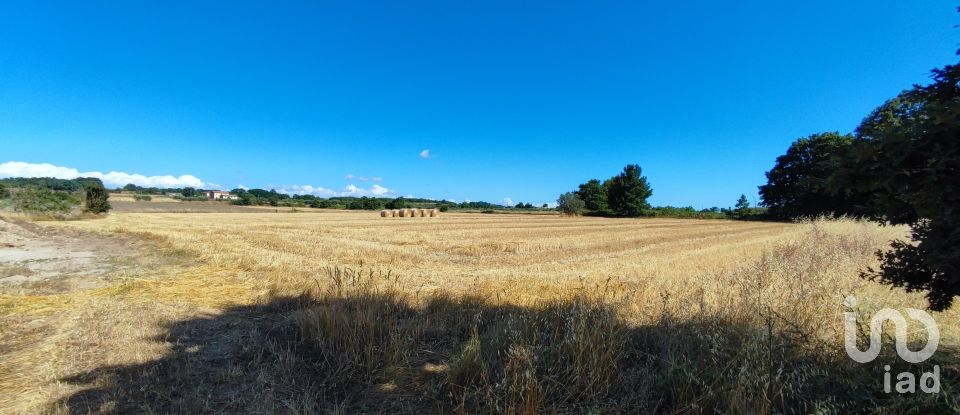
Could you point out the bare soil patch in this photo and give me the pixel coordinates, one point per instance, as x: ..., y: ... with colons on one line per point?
x: 39, y: 260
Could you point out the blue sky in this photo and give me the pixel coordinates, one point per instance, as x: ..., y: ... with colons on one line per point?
x: 518, y: 100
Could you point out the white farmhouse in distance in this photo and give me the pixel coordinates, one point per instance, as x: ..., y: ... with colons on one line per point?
x: 220, y: 195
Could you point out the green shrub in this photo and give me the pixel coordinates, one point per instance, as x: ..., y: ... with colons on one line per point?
x: 38, y: 200
x: 570, y: 204
x: 95, y: 197
x: 142, y: 198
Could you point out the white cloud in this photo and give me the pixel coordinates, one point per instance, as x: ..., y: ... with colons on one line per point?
x: 507, y: 201
x: 111, y: 179
x: 425, y: 153
x: 379, y: 190
x: 348, y: 190
x: 363, y: 178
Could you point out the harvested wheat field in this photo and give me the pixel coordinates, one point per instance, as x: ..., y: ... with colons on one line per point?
x: 348, y: 312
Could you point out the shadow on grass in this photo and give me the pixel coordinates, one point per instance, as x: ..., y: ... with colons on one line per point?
x: 368, y: 350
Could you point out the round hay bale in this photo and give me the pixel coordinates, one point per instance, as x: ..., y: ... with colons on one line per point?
x: 423, y: 213
x: 405, y: 213
x: 384, y: 213
x: 395, y: 213
x: 414, y: 213
x: 434, y: 213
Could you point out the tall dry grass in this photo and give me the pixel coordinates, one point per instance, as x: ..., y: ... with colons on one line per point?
x: 308, y: 313
x: 765, y: 337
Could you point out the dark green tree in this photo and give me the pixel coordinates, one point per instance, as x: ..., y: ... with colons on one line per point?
x: 189, y: 192
x: 627, y: 192
x: 398, y: 203
x: 570, y: 204
x: 594, y: 195
x: 130, y: 187
x: 95, y: 197
x: 907, y: 154
x: 797, y: 186
x: 742, y: 206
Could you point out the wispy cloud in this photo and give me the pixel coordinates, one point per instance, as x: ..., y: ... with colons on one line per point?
x: 348, y: 190
x: 111, y: 179
x: 363, y: 178
x: 425, y: 153
x: 507, y: 201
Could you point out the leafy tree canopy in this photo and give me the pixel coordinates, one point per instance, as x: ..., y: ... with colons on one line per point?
x: 594, y: 195
x: 570, y: 204
x: 907, y: 154
x: 627, y: 192
x: 797, y: 186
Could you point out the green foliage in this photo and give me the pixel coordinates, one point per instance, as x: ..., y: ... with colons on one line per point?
x: 55, y: 196
x: 366, y: 203
x: 142, y: 198
x: 159, y: 191
x: 200, y: 198
x: 4, y: 193
x: 627, y: 192
x: 907, y: 154
x: 594, y: 195
x: 570, y: 204
x: 263, y: 197
x: 742, y: 203
x: 39, y: 200
x: 797, y: 186
x: 398, y: 203
x: 95, y: 197
x: 72, y: 185
x: 190, y: 192
x: 742, y: 206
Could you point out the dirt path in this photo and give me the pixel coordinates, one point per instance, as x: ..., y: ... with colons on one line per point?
x: 57, y: 310
x: 39, y: 260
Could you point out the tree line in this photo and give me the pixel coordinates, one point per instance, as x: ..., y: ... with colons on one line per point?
x: 271, y: 197
x: 901, y: 166
x: 47, y: 195
x: 627, y: 194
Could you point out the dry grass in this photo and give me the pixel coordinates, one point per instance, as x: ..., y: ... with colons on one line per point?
x: 344, y: 312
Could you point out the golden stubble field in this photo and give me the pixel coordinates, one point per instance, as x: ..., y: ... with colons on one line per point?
x: 458, y: 249
x: 345, y: 312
